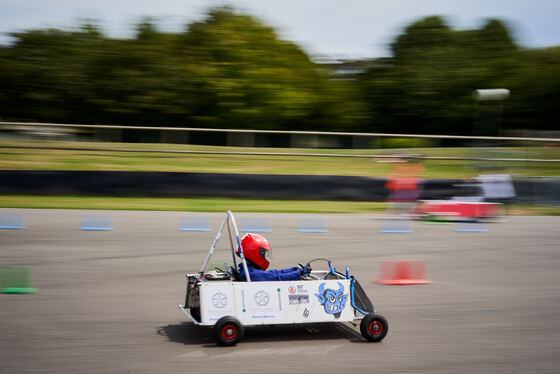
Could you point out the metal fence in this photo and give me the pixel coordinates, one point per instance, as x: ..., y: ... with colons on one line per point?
x: 487, y: 146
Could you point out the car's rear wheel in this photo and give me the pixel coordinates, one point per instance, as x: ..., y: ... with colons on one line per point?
x: 228, y: 331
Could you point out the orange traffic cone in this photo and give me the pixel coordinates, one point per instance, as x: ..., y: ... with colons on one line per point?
x: 402, y: 272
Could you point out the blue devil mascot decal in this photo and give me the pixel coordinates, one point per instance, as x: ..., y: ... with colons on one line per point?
x: 334, y: 301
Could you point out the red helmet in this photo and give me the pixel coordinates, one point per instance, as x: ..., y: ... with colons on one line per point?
x: 256, y: 249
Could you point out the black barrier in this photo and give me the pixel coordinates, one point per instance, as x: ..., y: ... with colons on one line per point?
x: 160, y: 184
x: 538, y: 190
x: 248, y: 186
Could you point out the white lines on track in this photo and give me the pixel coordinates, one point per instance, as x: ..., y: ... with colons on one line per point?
x: 319, y: 350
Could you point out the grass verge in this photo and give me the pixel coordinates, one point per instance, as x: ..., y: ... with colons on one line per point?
x: 221, y: 205
x: 191, y: 205
x: 88, y: 156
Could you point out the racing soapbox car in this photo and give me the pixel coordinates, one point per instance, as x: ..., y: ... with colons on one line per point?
x: 221, y: 298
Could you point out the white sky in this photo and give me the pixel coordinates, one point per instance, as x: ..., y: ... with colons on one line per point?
x: 334, y: 28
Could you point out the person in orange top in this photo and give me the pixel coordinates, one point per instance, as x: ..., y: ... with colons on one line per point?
x: 404, y: 186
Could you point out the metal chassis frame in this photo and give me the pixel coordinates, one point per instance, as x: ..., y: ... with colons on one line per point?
x: 229, y: 222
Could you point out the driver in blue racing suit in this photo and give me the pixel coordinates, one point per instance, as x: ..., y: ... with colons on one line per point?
x: 256, y: 250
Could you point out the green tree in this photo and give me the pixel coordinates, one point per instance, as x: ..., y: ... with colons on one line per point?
x: 427, y: 85
x: 535, y: 91
x: 229, y: 70
x: 44, y: 75
x: 249, y: 78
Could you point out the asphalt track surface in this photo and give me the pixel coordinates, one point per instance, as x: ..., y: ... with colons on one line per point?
x: 107, y: 300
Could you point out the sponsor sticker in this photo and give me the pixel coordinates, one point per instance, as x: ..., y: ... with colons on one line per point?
x: 297, y: 299
x: 219, y: 300
x: 262, y: 298
x: 298, y: 295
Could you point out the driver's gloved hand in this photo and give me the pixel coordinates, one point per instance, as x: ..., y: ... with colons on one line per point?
x: 305, y: 271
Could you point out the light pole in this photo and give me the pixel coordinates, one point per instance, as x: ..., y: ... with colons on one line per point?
x: 491, y: 100
x: 487, y: 115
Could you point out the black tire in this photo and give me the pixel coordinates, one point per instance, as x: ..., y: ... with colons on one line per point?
x: 195, y: 313
x: 374, y: 327
x: 228, y: 331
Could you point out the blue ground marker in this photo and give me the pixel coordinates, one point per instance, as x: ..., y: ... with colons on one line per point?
x: 471, y: 226
x: 395, y: 226
x: 195, y: 224
x: 312, y: 225
x: 96, y: 223
x: 12, y: 221
x: 255, y: 225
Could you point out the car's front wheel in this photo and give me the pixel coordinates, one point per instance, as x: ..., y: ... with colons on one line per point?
x: 374, y: 327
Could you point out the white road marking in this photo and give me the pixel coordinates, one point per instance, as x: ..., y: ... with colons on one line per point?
x: 193, y: 354
x: 321, y: 350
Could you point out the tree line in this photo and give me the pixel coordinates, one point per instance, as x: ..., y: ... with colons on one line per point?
x: 230, y: 70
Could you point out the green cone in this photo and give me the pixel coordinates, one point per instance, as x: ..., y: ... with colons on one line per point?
x: 16, y: 279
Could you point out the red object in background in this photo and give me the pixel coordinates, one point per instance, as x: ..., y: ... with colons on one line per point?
x: 402, y: 183
x: 403, y: 189
x: 458, y: 208
x: 402, y: 273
